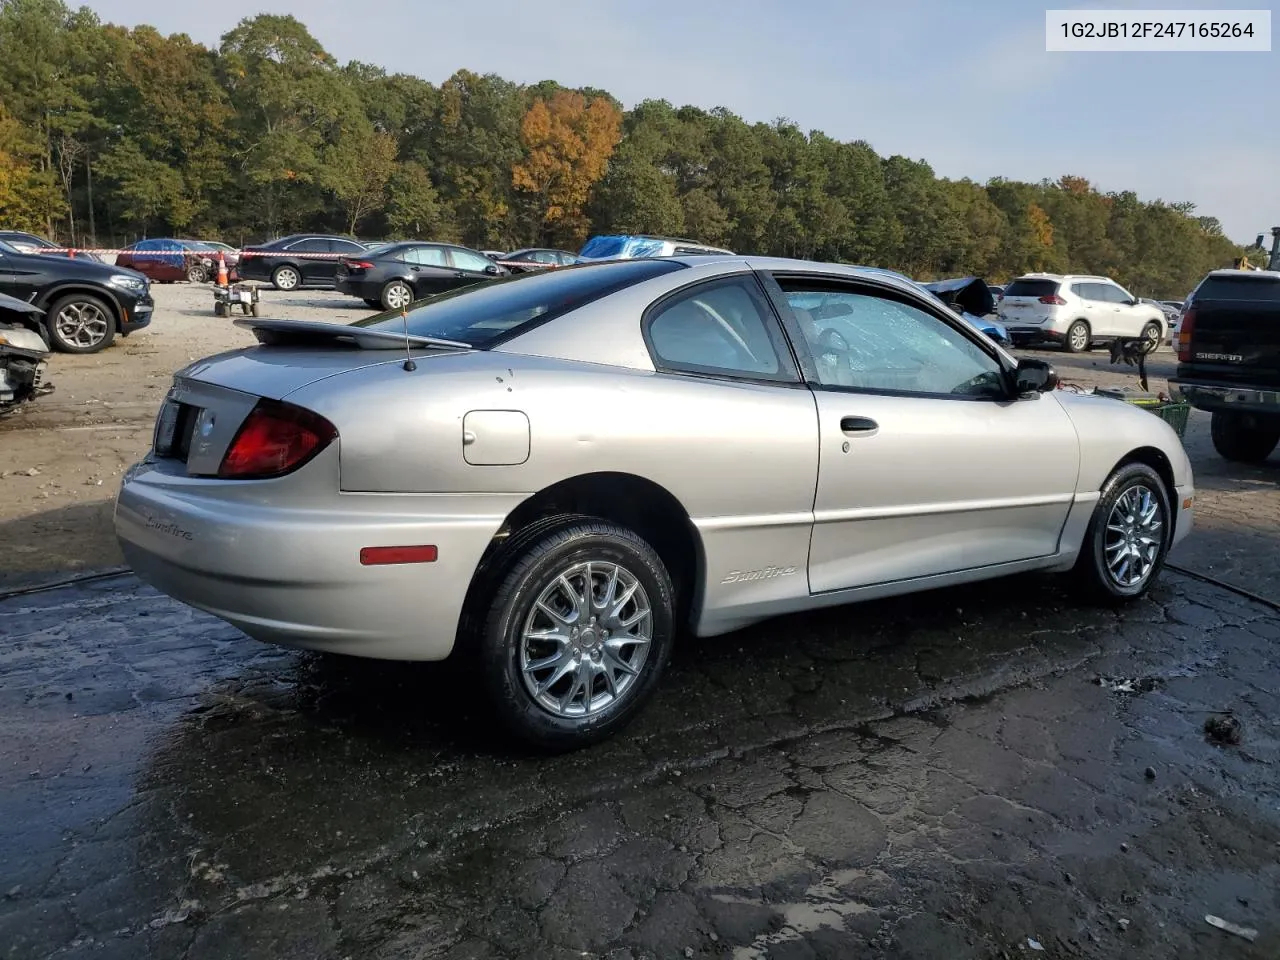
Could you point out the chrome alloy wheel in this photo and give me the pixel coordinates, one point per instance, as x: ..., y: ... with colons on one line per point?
x: 586, y: 639
x: 1134, y: 536
x: 82, y: 323
x: 398, y: 296
x: 1079, y: 335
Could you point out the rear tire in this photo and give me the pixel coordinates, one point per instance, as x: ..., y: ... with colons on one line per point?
x: 396, y: 295
x: 1128, y: 538
x: 563, y: 666
x: 286, y: 278
x: 1244, y: 437
x: 1078, y: 337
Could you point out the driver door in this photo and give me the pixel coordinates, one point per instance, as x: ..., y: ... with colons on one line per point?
x: 926, y: 467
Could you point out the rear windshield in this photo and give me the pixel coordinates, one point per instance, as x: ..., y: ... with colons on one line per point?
x: 1239, y: 288
x: 485, y: 314
x: 1031, y: 288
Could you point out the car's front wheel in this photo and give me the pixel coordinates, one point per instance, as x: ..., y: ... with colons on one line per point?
x: 1128, y: 537
x: 1152, y: 335
x: 81, y: 323
x: 196, y: 273
x: 578, y: 633
x: 1244, y: 437
x: 286, y: 278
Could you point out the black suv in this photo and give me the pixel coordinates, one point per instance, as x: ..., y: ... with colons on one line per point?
x: 298, y: 260
x: 86, y: 303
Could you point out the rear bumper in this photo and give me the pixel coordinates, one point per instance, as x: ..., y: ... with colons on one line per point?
x: 1226, y: 397
x: 355, y: 287
x: 293, y: 576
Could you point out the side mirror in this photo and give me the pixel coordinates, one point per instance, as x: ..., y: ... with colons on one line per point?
x: 491, y: 269
x: 1034, y: 376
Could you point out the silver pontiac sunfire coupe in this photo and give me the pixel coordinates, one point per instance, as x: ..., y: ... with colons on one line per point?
x: 557, y: 472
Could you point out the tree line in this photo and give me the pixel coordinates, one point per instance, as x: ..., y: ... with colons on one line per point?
x: 108, y: 134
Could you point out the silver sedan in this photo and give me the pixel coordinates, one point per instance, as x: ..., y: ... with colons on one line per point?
x: 556, y: 473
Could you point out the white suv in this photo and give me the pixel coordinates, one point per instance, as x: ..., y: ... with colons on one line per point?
x: 1077, y: 312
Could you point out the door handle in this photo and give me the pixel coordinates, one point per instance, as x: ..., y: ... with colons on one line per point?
x: 858, y: 425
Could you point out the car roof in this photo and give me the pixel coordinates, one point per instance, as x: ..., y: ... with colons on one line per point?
x: 850, y: 270
x: 1260, y: 274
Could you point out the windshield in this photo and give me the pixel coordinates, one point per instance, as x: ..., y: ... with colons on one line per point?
x: 485, y: 314
x: 612, y: 247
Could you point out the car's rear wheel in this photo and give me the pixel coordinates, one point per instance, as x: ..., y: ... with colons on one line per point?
x: 80, y: 323
x: 1244, y: 437
x: 1128, y: 537
x: 578, y: 633
x: 285, y: 278
x: 396, y: 295
x: 1078, y: 336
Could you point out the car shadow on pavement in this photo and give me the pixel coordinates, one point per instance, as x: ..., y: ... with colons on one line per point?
x: 86, y: 528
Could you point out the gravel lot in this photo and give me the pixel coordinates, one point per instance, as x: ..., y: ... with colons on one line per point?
x: 62, y: 459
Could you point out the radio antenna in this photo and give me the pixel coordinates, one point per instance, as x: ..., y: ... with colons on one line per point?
x: 408, y: 356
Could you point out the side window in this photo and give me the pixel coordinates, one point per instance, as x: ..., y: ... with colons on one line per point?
x: 1119, y: 294
x: 425, y: 256
x: 466, y: 260
x: 345, y: 247
x: 310, y: 245
x: 866, y: 341
x: 1082, y: 291
x: 724, y: 327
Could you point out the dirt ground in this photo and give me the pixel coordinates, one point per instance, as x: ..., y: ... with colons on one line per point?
x: 61, y: 460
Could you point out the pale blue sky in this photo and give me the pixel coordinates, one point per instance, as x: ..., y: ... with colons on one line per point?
x: 970, y: 89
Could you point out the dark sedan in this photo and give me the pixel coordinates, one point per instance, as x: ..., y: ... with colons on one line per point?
x: 34, y: 243
x: 395, y: 275
x: 298, y: 260
x: 531, y: 259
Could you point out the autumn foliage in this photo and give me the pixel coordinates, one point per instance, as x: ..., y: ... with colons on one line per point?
x: 568, y: 141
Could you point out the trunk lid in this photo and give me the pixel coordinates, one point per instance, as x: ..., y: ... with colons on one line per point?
x: 211, y: 398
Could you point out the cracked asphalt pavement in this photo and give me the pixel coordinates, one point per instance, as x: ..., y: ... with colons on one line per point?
x: 971, y: 773
x: 909, y: 778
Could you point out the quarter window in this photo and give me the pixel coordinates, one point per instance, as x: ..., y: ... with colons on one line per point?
x: 865, y: 341
x: 717, y: 328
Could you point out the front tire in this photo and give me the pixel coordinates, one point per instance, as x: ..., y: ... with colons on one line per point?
x: 80, y: 323
x: 286, y: 278
x: 1078, y: 337
x: 579, y: 631
x: 1152, y: 335
x: 1128, y: 538
x: 1244, y: 437
x: 196, y: 273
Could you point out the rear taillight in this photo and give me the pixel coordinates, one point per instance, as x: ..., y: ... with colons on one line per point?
x: 275, y: 439
x: 1054, y: 299
x: 1186, y: 328
x: 359, y: 265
